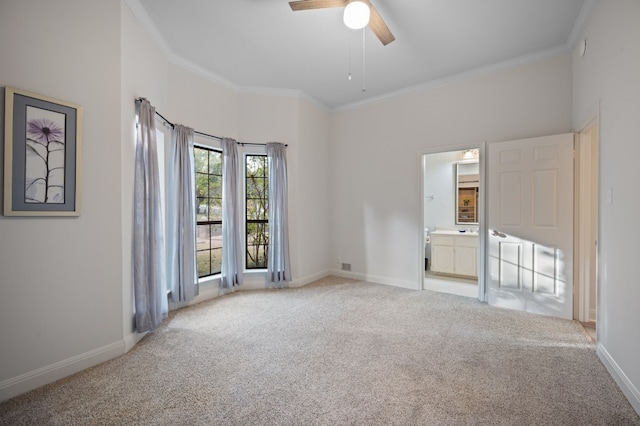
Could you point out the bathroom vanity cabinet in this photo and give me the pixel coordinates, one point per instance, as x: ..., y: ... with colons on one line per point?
x: 454, y: 253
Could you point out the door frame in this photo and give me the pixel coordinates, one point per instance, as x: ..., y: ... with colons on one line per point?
x: 587, y: 153
x: 481, y: 147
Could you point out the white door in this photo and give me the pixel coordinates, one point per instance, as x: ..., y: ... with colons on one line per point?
x: 530, y: 225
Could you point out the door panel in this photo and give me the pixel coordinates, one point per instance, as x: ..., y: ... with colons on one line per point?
x: 510, y: 265
x: 530, y: 225
x: 545, y: 199
x: 510, y: 187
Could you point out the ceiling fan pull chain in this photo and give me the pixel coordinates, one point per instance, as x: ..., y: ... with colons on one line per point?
x: 364, y: 86
x: 349, y: 45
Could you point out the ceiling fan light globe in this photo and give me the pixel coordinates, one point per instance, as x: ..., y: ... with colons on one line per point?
x: 356, y: 15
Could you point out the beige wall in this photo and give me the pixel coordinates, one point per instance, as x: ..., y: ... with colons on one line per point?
x: 607, y: 79
x: 354, y: 174
x: 376, y: 163
x: 67, y: 298
x: 61, y: 278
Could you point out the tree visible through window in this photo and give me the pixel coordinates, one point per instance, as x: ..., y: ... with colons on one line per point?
x: 257, y: 216
x: 208, y: 165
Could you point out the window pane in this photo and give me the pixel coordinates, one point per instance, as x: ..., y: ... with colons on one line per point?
x: 216, y: 261
x: 202, y: 184
x: 257, y: 244
x: 257, y: 210
x: 215, y: 186
x: 215, y: 163
x: 216, y: 236
x: 201, y: 157
x: 215, y: 209
x: 253, y: 187
x: 257, y: 187
x: 202, y: 209
x: 203, y: 240
x: 257, y: 234
x: 204, y: 263
x: 256, y: 214
x: 257, y: 257
x: 209, y: 254
x: 257, y: 165
x: 208, y: 182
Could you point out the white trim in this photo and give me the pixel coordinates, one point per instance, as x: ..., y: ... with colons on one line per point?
x: 625, y: 384
x: 411, y: 285
x: 578, y: 27
x: 587, y: 116
x: 132, y: 339
x: 253, y: 280
x: 585, y: 219
x: 588, y: 7
x: 147, y: 23
x: 301, y: 282
x: 145, y: 20
x: 482, y: 226
x: 52, y: 372
x: 285, y: 93
x: 202, y: 72
x: 463, y: 76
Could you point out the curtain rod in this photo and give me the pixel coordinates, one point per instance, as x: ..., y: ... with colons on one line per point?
x: 205, y: 134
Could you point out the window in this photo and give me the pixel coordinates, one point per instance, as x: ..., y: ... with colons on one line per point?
x: 256, y: 211
x: 208, y: 166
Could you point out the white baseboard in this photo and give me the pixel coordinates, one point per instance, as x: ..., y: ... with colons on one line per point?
x: 50, y: 373
x: 252, y: 281
x: 627, y: 387
x: 411, y: 285
x: 592, y: 315
x: 132, y: 339
x: 301, y: 282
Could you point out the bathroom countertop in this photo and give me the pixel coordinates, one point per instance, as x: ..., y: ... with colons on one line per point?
x: 453, y: 232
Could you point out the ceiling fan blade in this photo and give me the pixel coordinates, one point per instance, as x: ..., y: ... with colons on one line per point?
x: 315, y: 4
x: 379, y: 28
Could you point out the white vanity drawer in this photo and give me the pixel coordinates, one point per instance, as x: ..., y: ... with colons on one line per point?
x: 466, y: 241
x: 442, y: 240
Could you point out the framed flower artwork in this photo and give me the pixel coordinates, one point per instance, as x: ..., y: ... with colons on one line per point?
x: 42, y: 152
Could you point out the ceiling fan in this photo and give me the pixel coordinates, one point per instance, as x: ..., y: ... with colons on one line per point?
x: 373, y: 18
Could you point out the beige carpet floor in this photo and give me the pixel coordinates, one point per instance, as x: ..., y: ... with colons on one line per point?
x: 341, y: 352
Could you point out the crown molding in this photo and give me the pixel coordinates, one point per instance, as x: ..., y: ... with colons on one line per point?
x: 581, y: 22
x: 145, y: 20
x: 463, y: 76
x: 586, y: 11
x: 286, y: 93
x: 577, y: 30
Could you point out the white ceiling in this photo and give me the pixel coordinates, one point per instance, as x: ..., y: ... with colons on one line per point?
x: 263, y: 45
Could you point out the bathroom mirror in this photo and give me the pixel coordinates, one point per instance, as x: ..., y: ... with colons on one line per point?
x: 467, y: 185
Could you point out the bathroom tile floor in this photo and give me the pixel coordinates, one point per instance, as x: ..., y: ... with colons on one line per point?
x: 452, y: 285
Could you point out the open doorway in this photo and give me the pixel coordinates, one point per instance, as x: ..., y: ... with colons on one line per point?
x: 452, y: 219
x: 586, y: 226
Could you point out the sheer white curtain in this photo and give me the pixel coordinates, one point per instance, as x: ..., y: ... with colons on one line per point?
x: 231, y: 217
x: 278, y: 265
x: 149, y: 279
x: 181, y: 219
